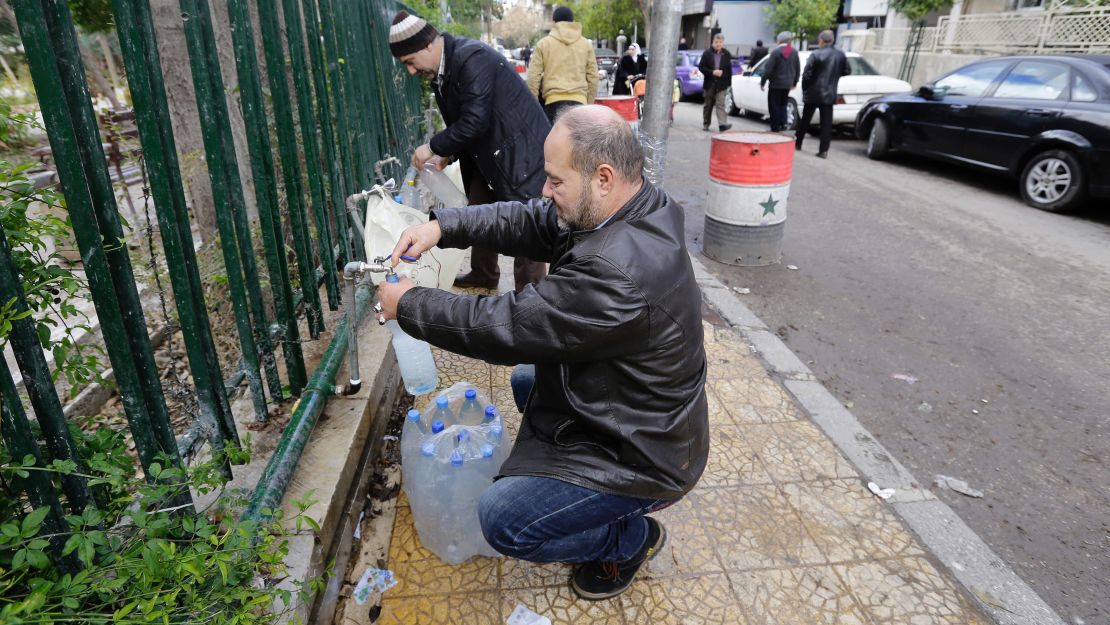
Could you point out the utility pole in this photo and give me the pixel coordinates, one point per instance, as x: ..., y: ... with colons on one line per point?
x: 666, y: 17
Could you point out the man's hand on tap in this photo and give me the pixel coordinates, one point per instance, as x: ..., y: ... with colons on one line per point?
x: 414, y: 241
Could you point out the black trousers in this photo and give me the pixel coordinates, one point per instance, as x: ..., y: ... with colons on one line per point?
x: 552, y: 110
x: 776, y: 107
x: 826, y: 124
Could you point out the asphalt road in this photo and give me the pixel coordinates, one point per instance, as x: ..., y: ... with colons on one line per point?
x: 999, y: 311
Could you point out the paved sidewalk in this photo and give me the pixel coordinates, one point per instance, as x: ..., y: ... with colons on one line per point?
x: 781, y: 529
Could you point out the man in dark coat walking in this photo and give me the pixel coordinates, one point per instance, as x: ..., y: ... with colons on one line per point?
x: 781, y: 72
x: 758, y: 52
x: 495, y: 128
x: 716, y: 67
x: 822, y: 75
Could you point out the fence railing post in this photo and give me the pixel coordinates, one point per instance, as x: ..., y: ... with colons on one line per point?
x: 290, y: 167
x: 265, y: 189
x: 50, y: 43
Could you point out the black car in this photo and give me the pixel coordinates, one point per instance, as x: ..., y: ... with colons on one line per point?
x: 606, y: 59
x: 1044, y: 120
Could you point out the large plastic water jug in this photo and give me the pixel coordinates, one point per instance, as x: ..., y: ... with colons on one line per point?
x: 414, y: 358
x: 446, y: 470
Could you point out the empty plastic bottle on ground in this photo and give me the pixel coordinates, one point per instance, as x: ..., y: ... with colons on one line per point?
x: 414, y: 358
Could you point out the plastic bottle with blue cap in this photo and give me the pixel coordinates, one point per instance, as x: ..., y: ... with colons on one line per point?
x: 414, y: 358
x: 470, y: 413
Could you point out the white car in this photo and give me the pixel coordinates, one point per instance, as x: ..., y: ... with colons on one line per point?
x: 853, y: 91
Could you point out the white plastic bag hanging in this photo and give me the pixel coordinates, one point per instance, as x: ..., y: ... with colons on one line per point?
x: 385, y: 221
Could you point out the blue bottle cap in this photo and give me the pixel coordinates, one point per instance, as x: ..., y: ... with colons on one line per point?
x: 491, y: 413
x: 471, y: 393
x: 414, y: 415
x: 437, y: 426
x: 428, y: 449
x: 464, y: 436
x: 487, y: 450
x: 441, y: 402
x: 456, y: 458
x: 393, y: 278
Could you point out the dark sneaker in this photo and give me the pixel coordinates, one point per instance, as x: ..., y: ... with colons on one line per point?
x: 822, y: 155
x: 595, y: 581
x: 471, y: 281
x: 705, y: 127
x: 725, y: 127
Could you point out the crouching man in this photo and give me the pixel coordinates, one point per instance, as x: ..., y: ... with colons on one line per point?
x: 615, y: 422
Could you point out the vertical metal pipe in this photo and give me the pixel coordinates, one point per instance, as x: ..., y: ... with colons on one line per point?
x: 20, y: 441
x: 39, y: 384
x: 226, y: 189
x: 265, y: 189
x: 144, y: 77
x: 52, y: 54
x: 287, y: 144
x: 323, y: 101
x: 310, y: 143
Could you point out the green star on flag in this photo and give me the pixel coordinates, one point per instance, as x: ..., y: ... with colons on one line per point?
x: 769, y: 205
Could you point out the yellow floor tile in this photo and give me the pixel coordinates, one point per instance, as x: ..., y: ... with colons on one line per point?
x: 732, y: 462
x: 517, y: 574
x: 848, y: 522
x: 796, y: 451
x: 562, y: 606
x: 907, y: 591
x: 434, y: 577
x: 454, y: 368
x: 755, y: 398
x: 755, y: 527
x: 689, y: 548
x: 404, y: 545
x: 461, y: 609
x: 796, y: 596
x: 705, y: 600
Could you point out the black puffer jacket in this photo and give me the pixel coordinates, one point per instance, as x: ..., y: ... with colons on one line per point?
x: 822, y: 75
x: 491, y: 118
x: 615, y: 332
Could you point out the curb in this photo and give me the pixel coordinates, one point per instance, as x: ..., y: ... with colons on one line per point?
x: 999, y: 591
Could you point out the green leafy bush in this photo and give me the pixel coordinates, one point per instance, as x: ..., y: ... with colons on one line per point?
x: 137, y: 558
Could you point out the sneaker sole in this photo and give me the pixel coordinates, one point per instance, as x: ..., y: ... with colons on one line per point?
x: 591, y: 596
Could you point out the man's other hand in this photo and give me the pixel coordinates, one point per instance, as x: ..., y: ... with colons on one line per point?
x: 390, y: 293
x: 416, y: 240
x: 422, y: 155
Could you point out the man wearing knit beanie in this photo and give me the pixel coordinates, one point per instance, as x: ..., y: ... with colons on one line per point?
x: 495, y: 129
x: 563, y: 71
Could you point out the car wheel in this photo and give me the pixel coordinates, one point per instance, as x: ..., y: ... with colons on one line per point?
x: 791, y: 115
x: 730, y: 106
x: 1053, y: 181
x: 878, y: 140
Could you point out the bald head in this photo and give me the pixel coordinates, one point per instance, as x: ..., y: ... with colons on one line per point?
x: 598, y: 135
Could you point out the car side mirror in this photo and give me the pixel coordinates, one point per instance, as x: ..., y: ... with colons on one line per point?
x: 932, y: 92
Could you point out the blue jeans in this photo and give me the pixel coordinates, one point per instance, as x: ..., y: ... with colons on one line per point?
x: 522, y: 381
x: 542, y: 519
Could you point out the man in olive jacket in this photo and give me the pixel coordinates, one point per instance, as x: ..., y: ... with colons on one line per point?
x: 495, y: 128
x: 616, y: 422
x: 563, y: 72
x: 820, y: 80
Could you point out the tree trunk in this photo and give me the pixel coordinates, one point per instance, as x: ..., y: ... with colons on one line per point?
x: 96, y: 73
x: 170, y: 32
x: 109, y: 60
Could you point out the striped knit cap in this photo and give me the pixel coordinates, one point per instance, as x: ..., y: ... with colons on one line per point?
x: 410, y: 34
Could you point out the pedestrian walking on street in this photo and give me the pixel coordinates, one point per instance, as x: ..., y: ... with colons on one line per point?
x: 823, y: 70
x: 495, y: 129
x: 616, y: 423
x: 757, y: 54
x: 716, y: 66
x: 631, y: 64
x: 783, y: 69
x: 564, y: 69
x: 526, y: 55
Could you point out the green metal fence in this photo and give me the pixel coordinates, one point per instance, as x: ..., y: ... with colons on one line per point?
x: 320, y: 128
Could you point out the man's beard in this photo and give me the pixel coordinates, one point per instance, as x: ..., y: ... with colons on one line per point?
x: 581, y: 216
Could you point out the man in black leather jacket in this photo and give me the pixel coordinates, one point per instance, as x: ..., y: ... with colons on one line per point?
x: 820, y: 79
x: 495, y: 128
x: 616, y: 423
